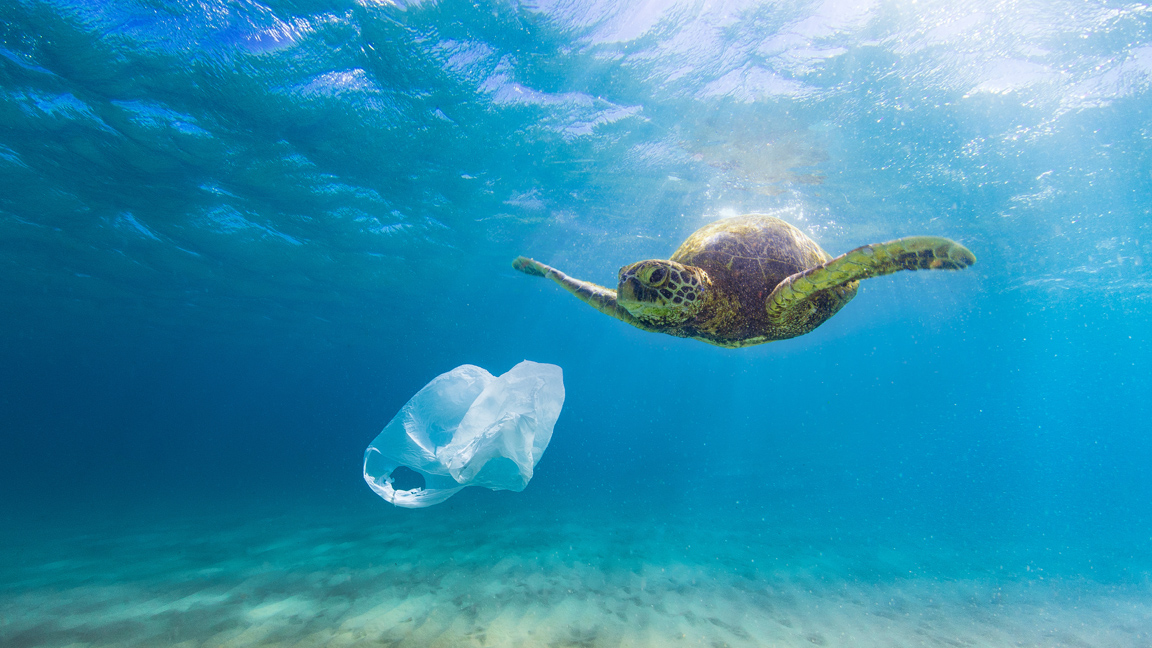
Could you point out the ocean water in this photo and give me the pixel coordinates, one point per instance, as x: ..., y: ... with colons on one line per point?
x: 236, y: 237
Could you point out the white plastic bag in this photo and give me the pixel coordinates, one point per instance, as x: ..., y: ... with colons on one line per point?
x: 466, y: 428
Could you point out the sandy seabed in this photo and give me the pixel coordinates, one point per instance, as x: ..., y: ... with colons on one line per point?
x: 466, y: 577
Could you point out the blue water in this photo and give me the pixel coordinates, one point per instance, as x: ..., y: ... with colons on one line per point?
x: 236, y: 238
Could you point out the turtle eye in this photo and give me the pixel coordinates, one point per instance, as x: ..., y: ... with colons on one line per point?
x: 656, y: 277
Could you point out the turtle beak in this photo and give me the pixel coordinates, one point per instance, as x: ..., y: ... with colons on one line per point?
x: 627, y: 290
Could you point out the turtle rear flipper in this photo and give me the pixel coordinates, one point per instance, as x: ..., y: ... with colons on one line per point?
x: 799, y: 292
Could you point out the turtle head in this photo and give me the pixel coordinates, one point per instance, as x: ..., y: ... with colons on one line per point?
x: 661, y: 293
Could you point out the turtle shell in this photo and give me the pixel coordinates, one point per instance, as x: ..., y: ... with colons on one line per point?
x: 745, y: 258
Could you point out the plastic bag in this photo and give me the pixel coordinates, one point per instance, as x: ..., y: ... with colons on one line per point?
x: 466, y: 428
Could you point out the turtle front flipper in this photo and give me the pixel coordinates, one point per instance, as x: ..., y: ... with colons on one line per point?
x: 798, y: 296
x: 598, y: 297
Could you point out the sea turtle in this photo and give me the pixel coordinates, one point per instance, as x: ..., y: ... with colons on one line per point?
x: 748, y: 280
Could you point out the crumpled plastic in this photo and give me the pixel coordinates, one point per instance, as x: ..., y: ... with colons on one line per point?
x: 466, y: 428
